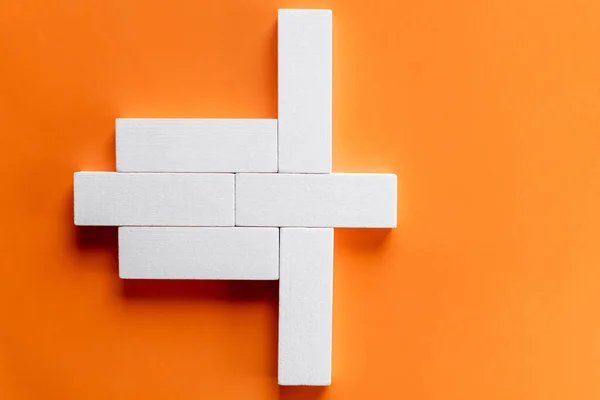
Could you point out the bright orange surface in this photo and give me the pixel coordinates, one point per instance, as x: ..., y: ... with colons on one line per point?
x: 489, y: 112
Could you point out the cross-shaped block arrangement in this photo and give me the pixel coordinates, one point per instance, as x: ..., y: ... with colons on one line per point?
x: 246, y: 198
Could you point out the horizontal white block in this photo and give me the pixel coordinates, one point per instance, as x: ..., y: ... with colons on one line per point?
x: 305, y: 306
x: 112, y: 198
x: 316, y: 200
x: 304, y: 100
x: 198, y: 253
x: 196, y: 145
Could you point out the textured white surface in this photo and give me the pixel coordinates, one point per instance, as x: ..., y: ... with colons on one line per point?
x: 199, y: 253
x: 305, y: 306
x: 316, y: 200
x: 304, y: 101
x: 112, y: 198
x: 196, y: 145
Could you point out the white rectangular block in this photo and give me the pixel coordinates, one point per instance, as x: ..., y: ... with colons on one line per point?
x: 316, y: 200
x: 304, y: 102
x: 196, y: 145
x: 198, y: 253
x: 112, y: 198
x: 305, y: 306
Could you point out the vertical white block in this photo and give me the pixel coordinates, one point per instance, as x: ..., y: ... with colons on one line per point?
x: 304, y: 102
x: 305, y: 306
x: 196, y: 145
x: 316, y: 200
x: 198, y: 253
x: 137, y: 199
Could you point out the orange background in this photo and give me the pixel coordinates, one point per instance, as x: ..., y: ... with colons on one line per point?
x: 489, y: 112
